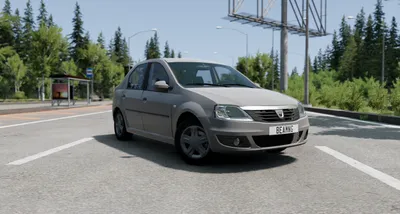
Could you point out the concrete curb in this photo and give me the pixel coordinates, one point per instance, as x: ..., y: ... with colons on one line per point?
x: 393, y: 120
x: 46, y: 108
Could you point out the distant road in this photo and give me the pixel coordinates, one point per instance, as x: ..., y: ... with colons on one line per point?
x: 68, y: 161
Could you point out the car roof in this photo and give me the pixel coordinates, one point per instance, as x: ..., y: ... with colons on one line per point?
x: 168, y: 60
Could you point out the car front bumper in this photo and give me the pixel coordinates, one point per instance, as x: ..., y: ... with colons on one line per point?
x: 254, y: 136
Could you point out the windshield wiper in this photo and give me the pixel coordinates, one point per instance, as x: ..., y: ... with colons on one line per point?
x: 207, y: 84
x: 236, y: 84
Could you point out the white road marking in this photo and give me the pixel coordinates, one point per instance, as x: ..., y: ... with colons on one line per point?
x: 355, y: 120
x: 53, y: 119
x: 387, y: 179
x: 49, y: 152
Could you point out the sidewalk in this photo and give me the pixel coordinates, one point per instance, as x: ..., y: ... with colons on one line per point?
x: 12, y: 108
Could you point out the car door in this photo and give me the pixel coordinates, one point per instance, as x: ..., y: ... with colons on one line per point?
x: 157, y: 114
x: 132, y: 98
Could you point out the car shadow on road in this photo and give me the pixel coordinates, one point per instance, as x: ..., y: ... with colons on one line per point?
x: 165, y: 155
x: 346, y: 128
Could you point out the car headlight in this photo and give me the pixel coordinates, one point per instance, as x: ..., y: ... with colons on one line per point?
x: 302, y: 111
x: 229, y: 112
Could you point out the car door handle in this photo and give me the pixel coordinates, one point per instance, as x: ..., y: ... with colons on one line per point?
x: 144, y: 99
x: 123, y: 95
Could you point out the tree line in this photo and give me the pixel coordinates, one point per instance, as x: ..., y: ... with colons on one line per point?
x: 347, y: 74
x: 33, y: 48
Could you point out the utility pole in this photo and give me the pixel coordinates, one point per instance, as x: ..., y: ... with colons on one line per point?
x: 284, y: 47
x: 306, y: 64
x: 383, y: 58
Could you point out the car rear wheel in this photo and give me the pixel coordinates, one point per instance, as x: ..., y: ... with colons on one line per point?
x: 120, y: 128
x: 192, y: 143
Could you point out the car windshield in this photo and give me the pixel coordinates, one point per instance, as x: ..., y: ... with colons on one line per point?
x: 199, y: 74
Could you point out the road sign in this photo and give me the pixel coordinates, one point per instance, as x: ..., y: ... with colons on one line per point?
x: 89, y: 72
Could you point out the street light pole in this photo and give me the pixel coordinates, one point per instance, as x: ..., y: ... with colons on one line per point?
x: 247, y: 43
x: 129, y: 40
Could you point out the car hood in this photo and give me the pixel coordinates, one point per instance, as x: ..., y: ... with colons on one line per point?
x: 244, y: 96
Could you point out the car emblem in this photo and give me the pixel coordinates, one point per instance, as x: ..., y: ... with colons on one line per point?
x: 280, y: 113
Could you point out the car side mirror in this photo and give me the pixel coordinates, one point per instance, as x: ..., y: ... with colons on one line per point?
x: 161, y: 86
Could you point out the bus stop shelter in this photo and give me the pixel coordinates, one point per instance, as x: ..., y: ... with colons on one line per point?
x: 62, y: 88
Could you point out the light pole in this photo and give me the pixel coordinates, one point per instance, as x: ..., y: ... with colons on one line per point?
x: 247, y: 43
x: 129, y: 40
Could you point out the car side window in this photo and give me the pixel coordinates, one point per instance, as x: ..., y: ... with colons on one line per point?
x: 136, y: 78
x: 204, y: 76
x: 224, y: 74
x: 157, y: 73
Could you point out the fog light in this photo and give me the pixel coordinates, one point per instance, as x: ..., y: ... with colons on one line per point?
x: 236, y: 142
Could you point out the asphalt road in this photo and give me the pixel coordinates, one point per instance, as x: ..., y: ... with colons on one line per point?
x: 68, y: 161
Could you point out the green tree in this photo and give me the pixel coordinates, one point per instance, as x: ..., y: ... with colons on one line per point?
x: 335, y: 53
x: 6, y: 31
x: 179, y: 55
x: 167, y: 53
x: 50, y: 21
x: 28, y: 26
x: 42, y: 17
x: 172, y: 53
x: 69, y: 67
x: 7, y: 8
x: 100, y: 40
x: 347, y: 64
x: 17, y: 70
x: 46, y: 44
x: 77, y: 35
x: 392, y: 54
x: 18, y: 35
x: 368, y: 62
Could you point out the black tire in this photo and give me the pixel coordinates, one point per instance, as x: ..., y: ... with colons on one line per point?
x: 120, y: 132
x: 276, y: 151
x: 190, y: 160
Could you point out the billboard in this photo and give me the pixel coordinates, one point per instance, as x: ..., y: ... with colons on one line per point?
x: 60, y: 91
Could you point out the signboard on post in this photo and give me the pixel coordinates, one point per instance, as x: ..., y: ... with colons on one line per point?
x: 89, y: 73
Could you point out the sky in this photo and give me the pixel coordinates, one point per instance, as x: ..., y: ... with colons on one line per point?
x: 190, y: 25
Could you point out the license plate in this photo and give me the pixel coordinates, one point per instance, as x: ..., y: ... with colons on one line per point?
x: 285, y: 129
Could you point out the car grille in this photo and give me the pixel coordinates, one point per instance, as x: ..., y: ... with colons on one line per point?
x: 273, y: 140
x: 271, y: 116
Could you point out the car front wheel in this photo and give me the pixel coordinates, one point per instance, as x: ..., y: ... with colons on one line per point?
x: 192, y: 143
x: 120, y: 128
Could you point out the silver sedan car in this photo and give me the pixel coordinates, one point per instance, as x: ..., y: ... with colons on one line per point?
x: 204, y: 108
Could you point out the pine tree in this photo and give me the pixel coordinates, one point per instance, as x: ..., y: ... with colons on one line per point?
x: 86, y: 40
x: 155, y: 47
x: 28, y: 26
x: 294, y: 72
x: 118, y: 46
x: 166, y: 50
x: 17, y: 28
x: 276, y: 70
x: 100, y: 40
x: 179, y: 55
x: 77, y: 35
x: 172, y: 53
x: 359, y: 27
x: 147, y: 50
x: 367, y: 60
x: 335, y: 53
x: 347, y: 64
x: 392, y: 53
x: 7, y: 8
x: 344, y: 33
x: 42, y: 17
x: 315, y: 65
x: 50, y: 21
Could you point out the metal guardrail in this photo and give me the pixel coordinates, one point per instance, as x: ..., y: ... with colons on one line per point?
x: 393, y: 120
